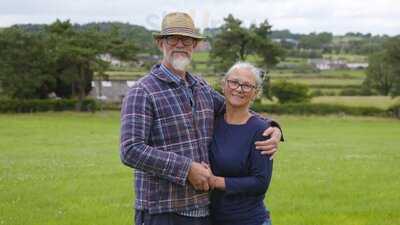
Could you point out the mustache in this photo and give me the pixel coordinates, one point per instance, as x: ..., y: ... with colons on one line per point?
x: 180, y: 51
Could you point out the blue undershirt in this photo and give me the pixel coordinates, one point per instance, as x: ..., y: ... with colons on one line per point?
x: 247, y: 173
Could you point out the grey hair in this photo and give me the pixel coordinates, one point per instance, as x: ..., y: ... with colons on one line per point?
x: 245, y: 65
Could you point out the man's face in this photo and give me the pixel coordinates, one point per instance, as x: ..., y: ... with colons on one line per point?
x: 177, y: 50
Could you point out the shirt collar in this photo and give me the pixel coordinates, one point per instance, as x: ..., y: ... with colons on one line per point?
x: 176, y: 78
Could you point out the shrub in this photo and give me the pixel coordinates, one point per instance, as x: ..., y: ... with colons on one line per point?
x: 318, y: 109
x: 350, y: 92
x: 317, y: 93
x: 287, y: 92
x: 395, y: 111
x: 42, y: 105
x: 357, y: 92
x: 217, y: 86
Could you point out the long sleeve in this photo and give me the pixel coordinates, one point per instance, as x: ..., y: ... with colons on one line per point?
x: 135, y: 151
x: 218, y: 99
x: 219, y: 103
x: 260, y: 174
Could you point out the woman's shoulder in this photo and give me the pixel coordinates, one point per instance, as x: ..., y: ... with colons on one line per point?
x: 258, y: 123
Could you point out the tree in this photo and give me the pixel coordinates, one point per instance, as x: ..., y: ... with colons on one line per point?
x: 233, y: 42
x: 230, y: 44
x: 78, y: 56
x: 266, y: 87
x: 379, y: 74
x: 59, y: 58
x: 120, y: 46
x: 316, y: 41
x: 26, y: 64
x: 262, y: 45
x: 383, y: 72
x: 392, y: 47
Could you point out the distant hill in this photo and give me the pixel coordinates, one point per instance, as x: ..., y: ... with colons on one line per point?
x: 352, y: 42
x: 138, y: 34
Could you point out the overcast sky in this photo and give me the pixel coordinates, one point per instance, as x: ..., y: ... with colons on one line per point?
x: 300, y: 16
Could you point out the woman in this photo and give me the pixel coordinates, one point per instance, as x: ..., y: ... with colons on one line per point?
x: 241, y: 174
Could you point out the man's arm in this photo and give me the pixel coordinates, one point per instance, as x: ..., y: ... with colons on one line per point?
x: 219, y: 102
x: 136, y: 120
x: 270, y: 146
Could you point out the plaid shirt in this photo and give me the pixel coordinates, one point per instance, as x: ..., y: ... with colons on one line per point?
x: 161, y: 136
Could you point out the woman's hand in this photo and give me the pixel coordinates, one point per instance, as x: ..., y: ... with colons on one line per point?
x: 214, y: 182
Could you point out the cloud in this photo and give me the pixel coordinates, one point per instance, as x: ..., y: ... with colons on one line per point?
x: 337, y: 16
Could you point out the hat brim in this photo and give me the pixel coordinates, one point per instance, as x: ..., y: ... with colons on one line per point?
x: 161, y: 35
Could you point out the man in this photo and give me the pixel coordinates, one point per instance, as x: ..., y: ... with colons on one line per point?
x: 167, y: 122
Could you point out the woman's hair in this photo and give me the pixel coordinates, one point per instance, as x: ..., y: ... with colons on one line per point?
x: 245, y: 65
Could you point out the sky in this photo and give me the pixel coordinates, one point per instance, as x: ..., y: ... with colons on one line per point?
x: 299, y: 16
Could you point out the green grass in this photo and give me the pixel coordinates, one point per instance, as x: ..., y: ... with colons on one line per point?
x: 383, y: 102
x: 200, y: 56
x: 344, y: 73
x: 324, y: 81
x: 338, y: 74
x: 205, y: 57
x: 64, y: 168
x: 340, y: 171
x: 347, y: 57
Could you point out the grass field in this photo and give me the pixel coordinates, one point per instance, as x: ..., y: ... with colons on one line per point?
x: 382, y: 102
x: 348, y: 57
x: 64, y: 169
x: 324, y: 81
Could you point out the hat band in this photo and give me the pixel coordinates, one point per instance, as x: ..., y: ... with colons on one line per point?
x: 171, y: 30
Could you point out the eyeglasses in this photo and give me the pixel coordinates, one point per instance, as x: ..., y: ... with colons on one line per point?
x: 234, y: 84
x: 173, y: 40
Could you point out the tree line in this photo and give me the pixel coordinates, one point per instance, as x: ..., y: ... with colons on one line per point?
x: 58, y: 59
x: 62, y: 58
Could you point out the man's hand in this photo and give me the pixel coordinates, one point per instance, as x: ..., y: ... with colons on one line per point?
x: 270, y: 146
x: 214, y: 182
x: 198, y: 176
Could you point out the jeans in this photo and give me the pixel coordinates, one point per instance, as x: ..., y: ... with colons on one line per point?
x: 144, y: 218
x: 267, y: 222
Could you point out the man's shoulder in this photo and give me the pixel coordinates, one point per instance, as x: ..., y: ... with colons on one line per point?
x: 201, y: 81
x: 147, y: 83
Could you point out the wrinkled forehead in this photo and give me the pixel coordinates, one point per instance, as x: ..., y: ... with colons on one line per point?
x: 243, y: 75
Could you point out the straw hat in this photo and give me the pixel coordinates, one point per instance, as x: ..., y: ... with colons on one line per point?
x: 178, y: 23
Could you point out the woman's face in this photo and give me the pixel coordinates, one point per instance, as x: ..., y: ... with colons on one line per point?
x: 240, y: 88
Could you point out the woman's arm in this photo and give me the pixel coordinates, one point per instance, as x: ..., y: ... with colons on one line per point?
x: 258, y: 180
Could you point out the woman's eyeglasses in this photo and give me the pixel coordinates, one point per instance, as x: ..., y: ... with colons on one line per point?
x: 235, y: 84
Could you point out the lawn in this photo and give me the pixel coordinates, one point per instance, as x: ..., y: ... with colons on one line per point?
x: 337, y: 74
x: 382, y: 102
x: 324, y: 81
x: 347, y: 57
x: 64, y: 169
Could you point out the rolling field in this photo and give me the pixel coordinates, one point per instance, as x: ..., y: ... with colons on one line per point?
x: 64, y: 169
x: 382, y: 102
x: 324, y: 81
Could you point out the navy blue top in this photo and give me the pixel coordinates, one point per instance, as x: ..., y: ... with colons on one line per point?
x: 247, y: 173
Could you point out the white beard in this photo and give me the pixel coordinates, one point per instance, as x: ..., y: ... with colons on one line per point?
x: 180, y: 63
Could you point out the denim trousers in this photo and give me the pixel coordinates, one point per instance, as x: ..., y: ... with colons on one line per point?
x: 267, y: 222
x: 144, y: 218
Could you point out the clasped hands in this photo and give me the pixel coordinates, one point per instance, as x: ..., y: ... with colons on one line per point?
x: 202, y: 179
